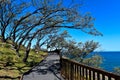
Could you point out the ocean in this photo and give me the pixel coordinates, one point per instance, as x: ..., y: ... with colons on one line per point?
x: 110, y: 60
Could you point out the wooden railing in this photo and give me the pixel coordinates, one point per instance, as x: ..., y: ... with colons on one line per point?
x: 71, y: 70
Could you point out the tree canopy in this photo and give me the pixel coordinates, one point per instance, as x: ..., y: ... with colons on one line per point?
x: 32, y: 22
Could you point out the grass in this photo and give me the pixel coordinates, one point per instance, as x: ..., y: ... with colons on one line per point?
x: 11, y: 66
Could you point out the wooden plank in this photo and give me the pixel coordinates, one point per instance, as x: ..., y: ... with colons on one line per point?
x: 89, y: 74
x: 98, y: 76
x: 109, y: 78
x: 103, y: 77
x: 77, y: 72
x: 74, y: 72
x: 94, y: 69
x: 65, y: 70
x: 86, y: 73
x: 69, y: 70
x: 71, y: 74
x: 94, y: 75
x: 80, y: 73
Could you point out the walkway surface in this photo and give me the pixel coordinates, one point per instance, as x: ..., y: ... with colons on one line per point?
x: 48, y: 69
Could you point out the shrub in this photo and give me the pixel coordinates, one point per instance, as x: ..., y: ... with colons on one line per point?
x: 7, y: 46
x: 117, y: 70
x: 93, y: 61
x: 31, y: 64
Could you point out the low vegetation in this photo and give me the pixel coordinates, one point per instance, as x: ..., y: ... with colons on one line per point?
x: 12, y: 66
x: 117, y: 70
x: 41, y: 28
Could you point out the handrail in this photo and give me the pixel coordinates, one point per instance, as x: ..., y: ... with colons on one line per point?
x: 72, y: 70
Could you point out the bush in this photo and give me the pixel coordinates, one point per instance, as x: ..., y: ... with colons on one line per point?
x: 7, y: 46
x: 117, y: 70
x: 1, y: 45
x: 31, y: 64
x: 93, y: 61
x: 9, y: 61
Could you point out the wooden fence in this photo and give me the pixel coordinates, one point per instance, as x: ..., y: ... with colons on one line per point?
x: 71, y: 70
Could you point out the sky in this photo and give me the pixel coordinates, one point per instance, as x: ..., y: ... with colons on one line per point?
x: 107, y: 14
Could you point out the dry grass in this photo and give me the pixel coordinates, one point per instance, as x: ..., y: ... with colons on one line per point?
x: 11, y: 66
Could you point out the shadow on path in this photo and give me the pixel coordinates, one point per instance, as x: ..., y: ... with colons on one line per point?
x: 10, y: 78
x: 48, y: 69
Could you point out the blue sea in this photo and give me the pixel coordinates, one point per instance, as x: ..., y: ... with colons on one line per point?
x: 110, y: 60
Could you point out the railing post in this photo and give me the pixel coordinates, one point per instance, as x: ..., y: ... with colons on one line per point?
x: 76, y: 71
x: 80, y: 73
x: 71, y: 71
x: 98, y: 76
x: 89, y: 74
x: 117, y: 78
x: 86, y: 72
x: 61, y: 63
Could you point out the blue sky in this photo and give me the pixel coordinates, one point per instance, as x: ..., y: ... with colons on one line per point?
x: 107, y: 14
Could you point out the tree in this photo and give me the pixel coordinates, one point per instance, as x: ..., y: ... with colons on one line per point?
x: 13, y: 21
x: 117, y: 70
x: 57, y: 40
x: 58, y: 16
x: 9, y: 12
x: 46, y: 17
x: 73, y: 50
x: 80, y: 50
x: 94, y: 61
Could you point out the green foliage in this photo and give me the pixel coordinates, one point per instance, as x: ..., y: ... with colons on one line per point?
x: 57, y: 40
x: 31, y: 64
x: 50, y: 17
x: 93, y: 61
x: 73, y: 50
x: 117, y: 70
x: 7, y: 45
x: 12, y: 65
x: 80, y: 49
x: 80, y: 52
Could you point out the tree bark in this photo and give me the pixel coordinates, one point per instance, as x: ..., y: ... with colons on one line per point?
x: 3, y: 36
x: 26, y: 55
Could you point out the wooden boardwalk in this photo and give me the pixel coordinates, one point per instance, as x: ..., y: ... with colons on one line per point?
x: 48, y: 69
